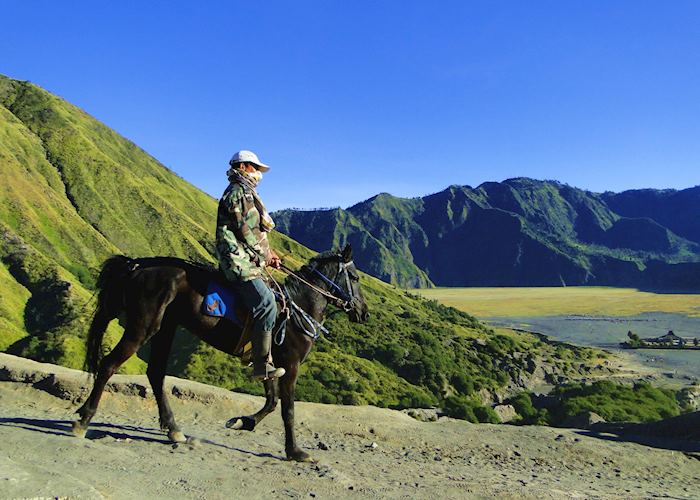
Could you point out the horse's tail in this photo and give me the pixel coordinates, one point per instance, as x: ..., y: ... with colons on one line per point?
x: 110, y: 302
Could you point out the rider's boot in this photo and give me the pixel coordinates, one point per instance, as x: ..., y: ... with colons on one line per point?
x: 262, y: 358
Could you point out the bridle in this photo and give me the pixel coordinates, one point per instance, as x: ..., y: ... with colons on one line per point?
x: 343, y: 298
x: 346, y: 298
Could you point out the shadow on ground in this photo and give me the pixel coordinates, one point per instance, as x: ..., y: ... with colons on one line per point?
x: 118, y: 432
x: 681, y: 433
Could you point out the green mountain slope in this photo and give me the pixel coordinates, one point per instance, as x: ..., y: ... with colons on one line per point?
x: 129, y: 200
x: 520, y: 232
x: 75, y: 192
x: 677, y: 210
x: 384, y: 250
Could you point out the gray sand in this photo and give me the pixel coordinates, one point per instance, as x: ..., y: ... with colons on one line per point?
x: 371, y: 452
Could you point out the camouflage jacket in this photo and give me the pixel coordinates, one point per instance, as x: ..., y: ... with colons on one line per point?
x: 241, y: 245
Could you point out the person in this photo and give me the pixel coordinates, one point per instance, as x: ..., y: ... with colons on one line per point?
x: 243, y: 252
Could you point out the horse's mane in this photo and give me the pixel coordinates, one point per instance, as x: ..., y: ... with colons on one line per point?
x: 329, y: 254
x: 208, y: 267
x: 176, y: 262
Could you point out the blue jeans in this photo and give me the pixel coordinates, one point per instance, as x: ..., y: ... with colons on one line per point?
x: 257, y: 297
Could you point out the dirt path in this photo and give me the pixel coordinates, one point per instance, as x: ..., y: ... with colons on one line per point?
x: 361, y: 451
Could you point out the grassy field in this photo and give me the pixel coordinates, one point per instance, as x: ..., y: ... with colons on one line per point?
x: 553, y: 301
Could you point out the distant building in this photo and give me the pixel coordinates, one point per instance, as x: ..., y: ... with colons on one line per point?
x: 669, y: 339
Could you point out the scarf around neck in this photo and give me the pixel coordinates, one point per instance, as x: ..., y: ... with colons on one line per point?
x: 249, y: 182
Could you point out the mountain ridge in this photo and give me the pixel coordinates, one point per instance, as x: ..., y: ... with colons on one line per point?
x: 546, y: 234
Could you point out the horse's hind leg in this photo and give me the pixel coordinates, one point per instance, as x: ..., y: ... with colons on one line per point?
x: 126, y: 348
x: 157, y: 364
x: 140, y: 327
x: 248, y: 423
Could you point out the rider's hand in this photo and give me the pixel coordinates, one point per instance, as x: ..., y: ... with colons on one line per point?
x: 274, y: 261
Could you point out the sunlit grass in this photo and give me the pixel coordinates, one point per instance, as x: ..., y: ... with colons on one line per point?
x: 552, y: 301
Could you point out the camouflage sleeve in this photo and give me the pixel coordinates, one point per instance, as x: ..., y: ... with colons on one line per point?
x: 265, y: 246
x: 240, y: 208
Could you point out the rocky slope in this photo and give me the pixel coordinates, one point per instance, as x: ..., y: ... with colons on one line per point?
x: 360, y: 451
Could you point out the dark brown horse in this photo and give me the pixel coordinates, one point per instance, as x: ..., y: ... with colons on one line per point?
x: 153, y: 296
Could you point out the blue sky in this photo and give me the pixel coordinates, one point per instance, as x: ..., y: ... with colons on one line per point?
x: 348, y: 99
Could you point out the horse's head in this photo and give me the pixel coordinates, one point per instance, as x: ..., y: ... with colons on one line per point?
x: 342, y: 280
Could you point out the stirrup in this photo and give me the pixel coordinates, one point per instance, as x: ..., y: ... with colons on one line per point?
x: 267, y: 372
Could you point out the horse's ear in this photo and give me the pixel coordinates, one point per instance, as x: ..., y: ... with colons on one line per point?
x: 347, y: 253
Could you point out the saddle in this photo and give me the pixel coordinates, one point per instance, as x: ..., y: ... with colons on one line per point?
x: 220, y: 301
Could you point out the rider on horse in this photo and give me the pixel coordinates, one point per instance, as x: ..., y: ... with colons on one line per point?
x: 243, y: 252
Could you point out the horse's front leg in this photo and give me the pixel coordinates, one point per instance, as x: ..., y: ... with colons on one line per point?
x: 287, y: 385
x: 248, y: 423
x: 160, y: 350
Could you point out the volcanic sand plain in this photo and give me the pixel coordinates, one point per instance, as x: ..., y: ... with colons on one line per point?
x: 557, y: 301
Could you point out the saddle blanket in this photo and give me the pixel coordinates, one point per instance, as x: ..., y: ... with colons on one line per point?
x: 220, y: 301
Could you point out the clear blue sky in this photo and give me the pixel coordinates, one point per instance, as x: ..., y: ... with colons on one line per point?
x: 349, y: 99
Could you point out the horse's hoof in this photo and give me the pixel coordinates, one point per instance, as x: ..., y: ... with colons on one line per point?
x: 241, y: 424
x: 78, y: 430
x: 235, y: 424
x: 300, y: 456
x: 177, y: 437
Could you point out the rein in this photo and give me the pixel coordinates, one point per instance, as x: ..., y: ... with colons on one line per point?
x: 311, y: 328
x: 289, y: 308
x: 343, y: 302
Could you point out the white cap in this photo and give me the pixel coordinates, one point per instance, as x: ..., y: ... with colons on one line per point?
x: 249, y: 157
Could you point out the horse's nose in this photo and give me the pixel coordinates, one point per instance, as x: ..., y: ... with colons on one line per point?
x: 365, y: 316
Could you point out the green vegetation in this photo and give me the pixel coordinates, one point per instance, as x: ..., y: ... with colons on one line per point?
x: 13, y: 299
x: 634, y: 340
x: 529, y: 415
x: 614, y: 402
x: 465, y: 408
x: 335, y: 377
